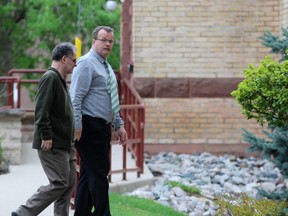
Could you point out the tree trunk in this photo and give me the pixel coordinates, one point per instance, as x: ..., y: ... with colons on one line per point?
x: 6, y: 54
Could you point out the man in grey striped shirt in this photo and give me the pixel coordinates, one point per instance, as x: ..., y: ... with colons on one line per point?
x: 94, y: 117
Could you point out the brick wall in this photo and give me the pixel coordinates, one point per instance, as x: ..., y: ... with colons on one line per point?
x: 196, y: 38
x: 284, y: 13
x: 199, y: 39
x: 195, y: 121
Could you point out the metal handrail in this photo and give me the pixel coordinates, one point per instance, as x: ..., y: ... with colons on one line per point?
x: 12, y: 82
x: 19, y: 73
x: 132, y: 112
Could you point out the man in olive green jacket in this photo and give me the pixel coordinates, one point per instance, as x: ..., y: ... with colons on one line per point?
x: 54, y: 136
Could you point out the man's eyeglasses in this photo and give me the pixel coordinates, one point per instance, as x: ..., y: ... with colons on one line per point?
x: 106, y: 41
x: 73, y: 60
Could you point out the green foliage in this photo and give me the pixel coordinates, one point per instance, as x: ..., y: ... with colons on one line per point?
x: 122, y: 205
x: 278, y: 45
x: 274, y: 148
x: 263, y: 97
x: 189, y: 189
x: 247, y: 206
x: 30, y: 29
x: 283, y: 195
x: 263, y: 94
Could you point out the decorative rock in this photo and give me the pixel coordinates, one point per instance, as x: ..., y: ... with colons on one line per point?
x: 213, y: 175
x: 268, y: 186
x: 178, y: 191
x: 237, y: 180
x: 183, y: 207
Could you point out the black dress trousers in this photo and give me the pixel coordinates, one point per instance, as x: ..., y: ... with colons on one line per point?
x: 93, y: 185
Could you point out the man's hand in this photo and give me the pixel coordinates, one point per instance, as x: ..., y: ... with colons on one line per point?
x: 122, y: 136
x: 78, y: 133
x: 46, y: 145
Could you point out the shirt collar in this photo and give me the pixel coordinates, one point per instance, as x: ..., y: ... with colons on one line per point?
x: 94, y: 53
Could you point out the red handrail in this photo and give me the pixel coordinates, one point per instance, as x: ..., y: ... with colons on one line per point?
x: 132, y: 112
x: 19, y: 73
x: 13, y: 83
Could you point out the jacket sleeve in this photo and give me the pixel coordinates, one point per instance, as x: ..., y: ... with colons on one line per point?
x: 44, y: 102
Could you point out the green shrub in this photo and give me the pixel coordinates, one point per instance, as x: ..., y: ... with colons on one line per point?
x: 189, y: 189
x: 263, y: 94
x: 273, y: 148
x: 247, y: 206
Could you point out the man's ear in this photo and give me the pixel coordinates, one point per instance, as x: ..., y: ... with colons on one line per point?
x: 63, y: 59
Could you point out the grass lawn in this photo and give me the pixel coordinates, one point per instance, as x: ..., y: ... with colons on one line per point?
x: 122, y: 205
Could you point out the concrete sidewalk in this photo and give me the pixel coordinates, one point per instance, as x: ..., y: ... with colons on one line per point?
x: 24, y: 180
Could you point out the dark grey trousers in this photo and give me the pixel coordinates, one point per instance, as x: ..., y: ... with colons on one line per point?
x: 60, y: 169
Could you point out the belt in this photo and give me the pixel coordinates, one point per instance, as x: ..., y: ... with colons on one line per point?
x: 103, y: 121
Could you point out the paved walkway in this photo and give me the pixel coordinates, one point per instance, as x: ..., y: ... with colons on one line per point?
x: 23, y: 180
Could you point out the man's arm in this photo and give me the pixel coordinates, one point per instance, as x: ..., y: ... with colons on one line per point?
x: 44, y: 100
x: 80, y: 85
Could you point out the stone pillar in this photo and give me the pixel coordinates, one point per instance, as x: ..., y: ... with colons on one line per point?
x: 10, y: 134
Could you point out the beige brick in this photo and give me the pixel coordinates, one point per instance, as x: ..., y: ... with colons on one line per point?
x: 200, y: 39
x: 215, y: 141
x: 198, y: 124
x: 206, y: 28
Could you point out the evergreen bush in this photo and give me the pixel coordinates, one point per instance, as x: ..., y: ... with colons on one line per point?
x: 274, y: 149
x: 278, y: 45
x: 263, y: 96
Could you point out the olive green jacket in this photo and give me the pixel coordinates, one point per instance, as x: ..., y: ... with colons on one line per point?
x: 54, y: 117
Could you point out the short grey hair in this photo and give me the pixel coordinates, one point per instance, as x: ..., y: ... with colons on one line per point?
x: 63, y: 49
x: 98, y: 28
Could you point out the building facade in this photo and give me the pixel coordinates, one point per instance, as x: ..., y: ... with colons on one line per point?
x: 188, y: 57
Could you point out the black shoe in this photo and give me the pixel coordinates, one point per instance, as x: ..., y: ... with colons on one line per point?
x: 14, y: 214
